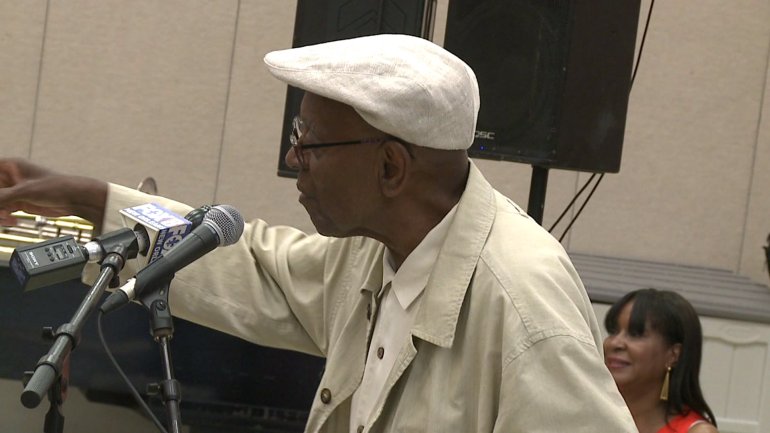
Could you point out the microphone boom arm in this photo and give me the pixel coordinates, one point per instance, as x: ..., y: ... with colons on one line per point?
x: 48, y: 371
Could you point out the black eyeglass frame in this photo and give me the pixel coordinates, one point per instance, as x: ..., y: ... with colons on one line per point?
x: 296, y: 135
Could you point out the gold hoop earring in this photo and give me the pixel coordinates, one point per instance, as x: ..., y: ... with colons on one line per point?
x: 664, y: 390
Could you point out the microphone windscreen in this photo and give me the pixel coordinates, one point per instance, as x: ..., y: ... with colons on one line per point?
x: 227, y: 222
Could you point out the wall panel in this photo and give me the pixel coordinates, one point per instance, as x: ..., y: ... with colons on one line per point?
x: 135, y: 89
x: 756, y: 233
x: 248, y: 177
x: 691, y: 132
x: 21, y: 44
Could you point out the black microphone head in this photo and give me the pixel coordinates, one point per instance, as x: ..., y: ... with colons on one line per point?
x: 226, y: 221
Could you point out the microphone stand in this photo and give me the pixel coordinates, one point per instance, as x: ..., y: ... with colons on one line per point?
x: 51, y: 373
x: 162, y: 330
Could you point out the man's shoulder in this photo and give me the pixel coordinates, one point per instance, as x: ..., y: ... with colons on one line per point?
x: 529, y: 272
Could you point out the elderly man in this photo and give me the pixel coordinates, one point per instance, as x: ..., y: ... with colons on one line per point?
x: 439, y: 305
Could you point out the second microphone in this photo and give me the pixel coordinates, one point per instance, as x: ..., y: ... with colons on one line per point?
x: 221, y: 226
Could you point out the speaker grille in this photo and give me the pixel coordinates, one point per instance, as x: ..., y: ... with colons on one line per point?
x: 553, y: 78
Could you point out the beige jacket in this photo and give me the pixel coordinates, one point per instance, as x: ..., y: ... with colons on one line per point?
x: 505, y: 340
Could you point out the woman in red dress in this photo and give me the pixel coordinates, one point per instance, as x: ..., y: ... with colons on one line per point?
x: 653, y: 351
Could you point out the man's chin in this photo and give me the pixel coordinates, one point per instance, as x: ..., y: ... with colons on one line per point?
x: 321, y: 225
x: 326, y: 231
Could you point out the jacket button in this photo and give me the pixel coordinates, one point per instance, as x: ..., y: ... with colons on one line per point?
x: 326, y: 395
x: 360, y: 429
x: 380, y: 352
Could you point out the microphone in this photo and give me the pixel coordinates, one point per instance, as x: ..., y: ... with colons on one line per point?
x: 222, y: 225
x: 61, y: 259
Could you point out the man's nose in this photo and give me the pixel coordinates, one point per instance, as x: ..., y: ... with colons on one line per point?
x: 291, y: 159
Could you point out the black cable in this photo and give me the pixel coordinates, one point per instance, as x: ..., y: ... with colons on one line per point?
x: 585, y: 185
x: 131, y: 387
x: 630, y: 86
x: 582, y: 207
x: 641, y: 45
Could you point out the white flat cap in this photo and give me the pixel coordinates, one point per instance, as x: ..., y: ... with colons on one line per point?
x: 402, y: 85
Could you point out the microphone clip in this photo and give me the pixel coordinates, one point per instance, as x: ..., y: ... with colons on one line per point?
x: 156, y: 303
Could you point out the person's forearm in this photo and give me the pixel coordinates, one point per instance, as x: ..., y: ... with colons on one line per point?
x: 89, y: 199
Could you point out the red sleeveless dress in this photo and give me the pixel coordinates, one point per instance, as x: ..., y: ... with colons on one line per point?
x: 682, y: 423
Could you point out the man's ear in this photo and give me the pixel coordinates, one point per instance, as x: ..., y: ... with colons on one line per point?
x: 395, y: 161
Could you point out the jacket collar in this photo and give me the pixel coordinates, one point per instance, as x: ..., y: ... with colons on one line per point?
x: 437, y: 318
x: 436, y: 321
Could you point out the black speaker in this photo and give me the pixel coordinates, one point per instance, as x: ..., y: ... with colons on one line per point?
x: 554, y: 78
x: 320, y: 21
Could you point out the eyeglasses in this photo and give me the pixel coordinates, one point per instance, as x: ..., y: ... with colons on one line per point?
x: 298, y: 129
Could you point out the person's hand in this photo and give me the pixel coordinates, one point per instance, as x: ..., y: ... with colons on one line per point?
x: 38, y: 190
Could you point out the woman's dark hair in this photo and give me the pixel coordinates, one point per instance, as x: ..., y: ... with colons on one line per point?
x: 673, y: 317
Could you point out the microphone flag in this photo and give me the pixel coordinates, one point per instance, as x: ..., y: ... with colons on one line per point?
x: 164, y: 228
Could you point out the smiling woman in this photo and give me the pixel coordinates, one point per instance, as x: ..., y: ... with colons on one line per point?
x: 653, y: 351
